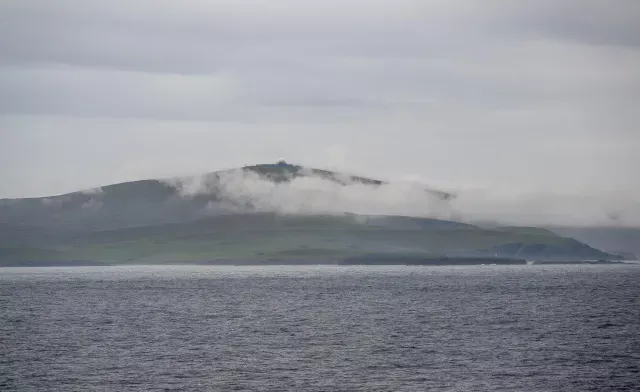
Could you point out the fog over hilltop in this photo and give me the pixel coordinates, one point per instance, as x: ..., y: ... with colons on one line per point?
x: 312, y: 194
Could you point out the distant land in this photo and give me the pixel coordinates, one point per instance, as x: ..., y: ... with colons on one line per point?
x: 623, y: 241
x: 165, y: 222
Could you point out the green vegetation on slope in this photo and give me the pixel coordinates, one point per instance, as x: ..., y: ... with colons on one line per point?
x: 269, y: 237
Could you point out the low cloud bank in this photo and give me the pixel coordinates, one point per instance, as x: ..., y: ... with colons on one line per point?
x: 312, y: 194
x: 548, y: 208
x: 240, y: 190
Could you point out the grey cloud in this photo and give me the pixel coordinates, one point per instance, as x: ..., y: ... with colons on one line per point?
x: 96, y: 92
x: 190, y: 37
x: 197, y: 36
x: 587, y: 21
x: 504, y: 76
x: 353, y: 53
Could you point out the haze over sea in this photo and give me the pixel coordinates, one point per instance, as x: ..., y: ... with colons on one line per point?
x: 320, y: 328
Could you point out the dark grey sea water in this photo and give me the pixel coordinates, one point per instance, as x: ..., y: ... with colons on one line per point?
x: 477, y: 328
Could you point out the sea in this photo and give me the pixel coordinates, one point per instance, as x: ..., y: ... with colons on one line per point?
x: 320, y: 328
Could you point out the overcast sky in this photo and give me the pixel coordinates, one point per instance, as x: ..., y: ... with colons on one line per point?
x: 460, y: 94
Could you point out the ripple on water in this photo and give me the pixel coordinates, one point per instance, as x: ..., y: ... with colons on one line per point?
x: 320, y: 328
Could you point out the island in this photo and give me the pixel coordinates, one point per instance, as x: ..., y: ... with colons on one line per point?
x: 249, y: 216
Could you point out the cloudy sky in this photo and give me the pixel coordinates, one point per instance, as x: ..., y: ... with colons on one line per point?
x: 527, y: 96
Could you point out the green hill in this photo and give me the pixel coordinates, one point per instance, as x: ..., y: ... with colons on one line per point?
x: 154, y: 221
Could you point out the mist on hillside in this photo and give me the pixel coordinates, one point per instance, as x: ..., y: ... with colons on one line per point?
x: 238, y: 190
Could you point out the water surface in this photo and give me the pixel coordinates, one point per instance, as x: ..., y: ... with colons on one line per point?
x: 320, y: 328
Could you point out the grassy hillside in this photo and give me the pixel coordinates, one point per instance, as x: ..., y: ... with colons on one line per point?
x: 326, y: 239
